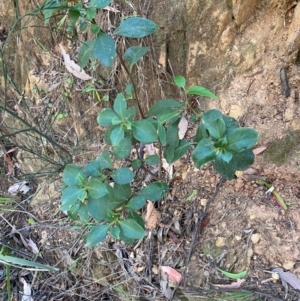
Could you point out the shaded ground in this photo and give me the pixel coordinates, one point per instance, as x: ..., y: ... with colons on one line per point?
x: 244, y: 230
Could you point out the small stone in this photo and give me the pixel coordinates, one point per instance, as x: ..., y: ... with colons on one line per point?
x: 236, y: 111
x: 238, y: 238
x: 295, y: 125
x: 252, y: 217
x: 203, y: 202
x: 288, y: 265
x: 255, y: 238
x: 220, y: 242
x: 275, y: 276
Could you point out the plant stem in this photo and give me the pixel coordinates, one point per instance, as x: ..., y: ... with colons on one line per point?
x: 133, y: 84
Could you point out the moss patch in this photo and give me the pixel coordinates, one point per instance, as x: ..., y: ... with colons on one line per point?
x: 280, y: 150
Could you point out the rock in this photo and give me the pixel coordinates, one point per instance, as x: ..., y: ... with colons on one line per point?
x: 220, y: 242
x: 242, y: 10
x: 255, y: 238
x: 236, y: 111
x: 295, y: 125
x: 288, y: 114
x: 288, y: 265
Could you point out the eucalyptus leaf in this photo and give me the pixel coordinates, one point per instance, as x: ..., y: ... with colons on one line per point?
x: 136, y: 27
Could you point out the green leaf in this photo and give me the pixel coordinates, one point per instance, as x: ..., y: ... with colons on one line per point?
x: 181, y: 149
x: 117, y: 135
x: 73, y: 175
x: 201, y: 133
x: 162, y: 135
x: 98, y: 208
x: 225, y: 155
x: 96, y: 235
x: 115, y: 232
x: 129, y: 91
x: 122, y: 175
x: 93, y: 168
x: 180, y: 81
x: 244, y: 159
x: 105, y: 49
x: 123, y: 149
x: 83, y: 27
x: 50, y: 7
x: 70, y: 196
x: 74, y: 15
x: 152, y: 159
x: 121, y: 191
x: 136, y: 164
x: 209, y: 117
x: 241, y: 139
x: 96, y: 188
x: 154, y: 191
x: 95, y: 29
x: 144, y: 131
x: 198, y: 90
x: 99, y: 3
x: 134, y: 53
x: 217, y: 128
x: 136, y: 203
x: 83, y: 212
x: 11, y: 260
x: 225, y: 169
x: 136, y: 27
x: 234, y: 276
x: 168, y: 116
x: 230, y: 123
x: 130, y: 114
x: 163, y: 106
x: 136, y: 217
x: 91, y: 13
x: 204, y: 152
x: 120, y: 104
x: 106, y: 116
x: 86, y: 52
x: 132, y: 229
x: 104, y: 160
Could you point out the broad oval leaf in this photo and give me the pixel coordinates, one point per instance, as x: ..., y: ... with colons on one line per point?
x: 216, y: 129
x: 98, y: 208
x: 244, y: 159
x: 104, y: 160
x: 201, y: 91
x: 115, y: 232
x: 230, y: 123
x: 121, y: 191
x: 181, y: 149
x: 117, y: 135
x: 201, y: 133
x: 204, y: 152
x: 144, y: 131
x: 106, y: 116
x: 49, y: 7
x: 123, y: 149
x: 162, y: 135
x: 122, y: 175
x: 93, y: 168
x: 96, y: 235
x: 86, y: 52
x: 105, y: 49
x: 96, y: 188
x: 225, y: 169
x: 136, y: 203
x: 180, y: 81
x: 136, y: 27
x: 242, y: 139
x: 120, y: 104
x: 154, y: 191
x: 152, y: 159
x: 210, y: 116
x: 70, y: 196
x: 134, y: 53
x: 99, y: 3
x: 163, y: 106
x: 132, y: 229
x: 73, y: 175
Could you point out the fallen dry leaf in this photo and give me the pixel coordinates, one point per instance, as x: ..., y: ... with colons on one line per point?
x: 26, y: 290
x: 259, y: 149
x: 71, y: 66
x: 10, y: 164
x: 19, y: 187
x: 182, y: 127
x: 112, y: 9
x: 288, y: 277
x: 32, y: 245
x: 150, y: 149
x: 236, y: 284
x: 152, y: 216
x: 172, y: 273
